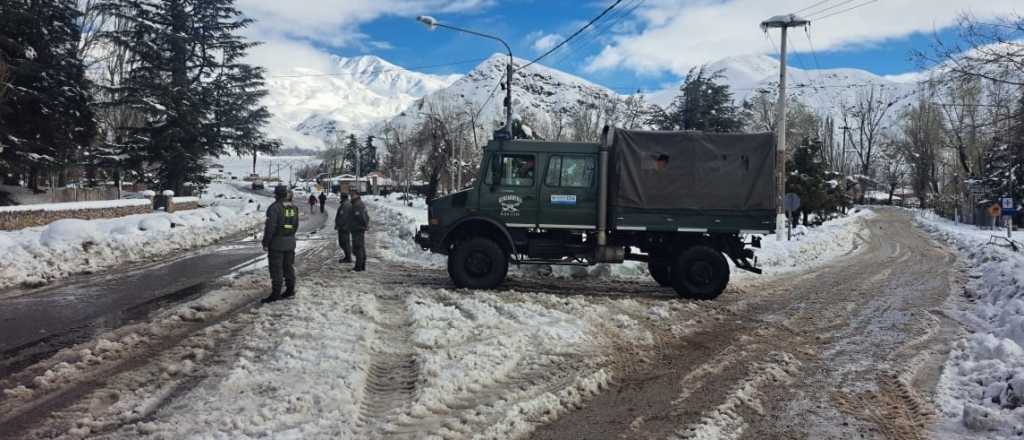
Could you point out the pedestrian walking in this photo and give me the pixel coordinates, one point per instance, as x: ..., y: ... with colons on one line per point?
x: 312, y: 204
x: 342, y: 220
x: 358, y: 226
x: 279, y: 243
x: 323, y: 201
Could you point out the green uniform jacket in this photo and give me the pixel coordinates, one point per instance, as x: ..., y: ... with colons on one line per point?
x: 343, y: 218
x: 360, y: 218
x: 281, y: 226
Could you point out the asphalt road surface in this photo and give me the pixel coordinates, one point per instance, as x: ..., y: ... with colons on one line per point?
x: 36, y: 322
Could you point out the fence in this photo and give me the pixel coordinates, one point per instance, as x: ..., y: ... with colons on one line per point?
x: 64, y: 195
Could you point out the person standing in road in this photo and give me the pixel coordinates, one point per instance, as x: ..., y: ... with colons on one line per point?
x: 359, y: 224
x: 279, y: 243
x: 323, y: 201
x: 312, y: 203
x: 342, y: 220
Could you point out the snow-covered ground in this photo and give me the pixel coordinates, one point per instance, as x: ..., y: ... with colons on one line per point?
x: 42, y: 254
x: 378, y: 354
x: 981, y: 392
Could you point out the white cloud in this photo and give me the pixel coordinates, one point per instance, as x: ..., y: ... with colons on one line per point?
x: 678, y: 34
x: 281, y: 56
x: 546, y: 42
x: 290, y: 25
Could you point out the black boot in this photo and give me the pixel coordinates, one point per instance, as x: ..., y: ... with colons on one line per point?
x: 273, y: 297
x: 288, y: 293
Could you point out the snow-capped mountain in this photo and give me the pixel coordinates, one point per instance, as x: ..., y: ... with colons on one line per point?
x: 824, y: 90
x: 308, y: 105
x: 359, y: 94
x: 537, y: 92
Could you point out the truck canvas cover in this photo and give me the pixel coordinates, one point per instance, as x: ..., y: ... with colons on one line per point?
x: 702, y: 177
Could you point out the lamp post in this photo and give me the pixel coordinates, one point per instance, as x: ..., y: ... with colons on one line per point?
x: 431, y: 23
x: 784, y: 22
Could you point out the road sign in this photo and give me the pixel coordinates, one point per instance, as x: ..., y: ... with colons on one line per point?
x: 791, y: 202
x: 995, y: 210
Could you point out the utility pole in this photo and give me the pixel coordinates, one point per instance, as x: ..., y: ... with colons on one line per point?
x: 783, y: 22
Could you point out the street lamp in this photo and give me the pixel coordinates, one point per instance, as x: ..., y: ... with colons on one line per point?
x: 431, y: 23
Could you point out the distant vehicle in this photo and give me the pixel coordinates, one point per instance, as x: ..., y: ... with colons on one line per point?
x: 684, y: 199
x: 257, y: 185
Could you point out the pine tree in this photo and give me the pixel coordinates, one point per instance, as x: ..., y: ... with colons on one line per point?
x: 703, y: 105
x: 196, y: 97
x: 807, y: 178
x: 45, y: 117
x: 368, y: 156
x: 351, y: 154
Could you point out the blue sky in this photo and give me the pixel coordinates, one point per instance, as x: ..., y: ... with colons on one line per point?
x: 646, y: 44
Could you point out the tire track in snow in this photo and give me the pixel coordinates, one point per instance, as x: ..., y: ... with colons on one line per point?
x: 393, y: 372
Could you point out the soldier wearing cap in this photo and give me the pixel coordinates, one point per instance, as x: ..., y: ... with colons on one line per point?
x: 279, y: 242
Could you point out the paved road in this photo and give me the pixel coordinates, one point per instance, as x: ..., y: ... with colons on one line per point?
x: 853, y: 350
x: 38, y: 322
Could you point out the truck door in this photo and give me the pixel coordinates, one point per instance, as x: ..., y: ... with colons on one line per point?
x: 568, y: 195
x: 512, y: 196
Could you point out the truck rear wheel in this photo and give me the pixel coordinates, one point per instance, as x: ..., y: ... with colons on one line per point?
x: 700, y: 273
x: 661, y: 272
x: 478, y: 264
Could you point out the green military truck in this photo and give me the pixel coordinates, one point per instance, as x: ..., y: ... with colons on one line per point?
x: 679, y: 201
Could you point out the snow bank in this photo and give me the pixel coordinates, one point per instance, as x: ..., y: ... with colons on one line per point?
x: 982, y: 386
x: 812, y: 246
x: 75, y: 206
x: 38, y: 255
x: 399, y: 223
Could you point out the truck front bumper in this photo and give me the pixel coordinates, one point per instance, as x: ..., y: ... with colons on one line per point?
x: 426, y: 237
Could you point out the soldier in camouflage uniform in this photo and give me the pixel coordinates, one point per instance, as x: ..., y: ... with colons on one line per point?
x: 279, y: 242
x: 360, y: 222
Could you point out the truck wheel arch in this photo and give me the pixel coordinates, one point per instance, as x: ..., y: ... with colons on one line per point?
x: 480, y: 227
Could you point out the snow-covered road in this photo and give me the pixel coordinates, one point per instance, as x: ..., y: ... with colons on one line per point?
x: 395, y: 352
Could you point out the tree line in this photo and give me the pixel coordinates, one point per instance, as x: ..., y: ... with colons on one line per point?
x: 125, y: 91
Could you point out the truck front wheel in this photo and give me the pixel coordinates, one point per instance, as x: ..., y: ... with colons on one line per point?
x: 478, y: 264
x: 661, y: 272
x: 700, y: 273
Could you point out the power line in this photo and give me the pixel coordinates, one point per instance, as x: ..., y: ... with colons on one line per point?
x: 595, y: 32
x: 847, y: 9
x: 844, y: 2
x: 397, y: 69
x: 591, y: 22
x: 810, y: 7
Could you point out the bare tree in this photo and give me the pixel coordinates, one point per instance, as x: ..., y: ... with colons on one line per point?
x: 93, y: 20
x: 867, y: 115
x: 990, y: 50
x: 962, y: 100
x: 894, y: 167
x: 922, y: 130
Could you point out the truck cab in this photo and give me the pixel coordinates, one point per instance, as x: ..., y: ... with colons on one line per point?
x: 548, y: 203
